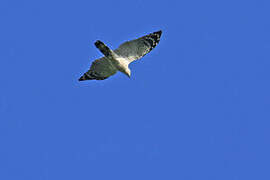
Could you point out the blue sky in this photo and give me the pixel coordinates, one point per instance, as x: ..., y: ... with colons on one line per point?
x: 196, y: 107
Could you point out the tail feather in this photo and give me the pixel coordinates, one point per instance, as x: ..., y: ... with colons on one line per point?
x: 103, y: 48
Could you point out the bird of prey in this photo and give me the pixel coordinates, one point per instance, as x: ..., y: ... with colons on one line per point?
x: 120, y: 58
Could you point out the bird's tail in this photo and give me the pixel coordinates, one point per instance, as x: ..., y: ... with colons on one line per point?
x: 104, y: 48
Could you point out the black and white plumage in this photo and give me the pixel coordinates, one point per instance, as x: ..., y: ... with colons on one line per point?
x: 120, y: 58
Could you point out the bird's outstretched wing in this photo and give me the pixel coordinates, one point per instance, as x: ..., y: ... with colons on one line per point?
x: 100, y: 69
x: 136, y: 49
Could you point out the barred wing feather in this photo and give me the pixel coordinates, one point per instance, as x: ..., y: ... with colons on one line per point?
x: 136, y: 49
x: 100, y: 69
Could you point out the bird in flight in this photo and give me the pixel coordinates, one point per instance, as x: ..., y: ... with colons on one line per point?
x: 120, y: 58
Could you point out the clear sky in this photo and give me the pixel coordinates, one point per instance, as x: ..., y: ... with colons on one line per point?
x: 196, y: 108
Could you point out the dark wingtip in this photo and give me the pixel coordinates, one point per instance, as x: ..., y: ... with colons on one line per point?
x: 81, y: 79
x: 86, y: 77
x: 158, y: 32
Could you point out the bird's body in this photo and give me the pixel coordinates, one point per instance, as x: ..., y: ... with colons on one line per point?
x: 119, y: 59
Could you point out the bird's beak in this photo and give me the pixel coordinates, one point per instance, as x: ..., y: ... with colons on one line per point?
x: 127, y: 74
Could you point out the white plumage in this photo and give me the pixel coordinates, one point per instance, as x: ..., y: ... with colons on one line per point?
x: 120, y: 58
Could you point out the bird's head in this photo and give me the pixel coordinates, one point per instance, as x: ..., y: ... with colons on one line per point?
x: 125, y: 69
x: 127, y: 72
